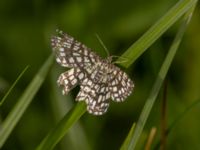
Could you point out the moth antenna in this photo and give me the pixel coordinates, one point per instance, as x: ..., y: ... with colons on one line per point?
x: 102, y: 44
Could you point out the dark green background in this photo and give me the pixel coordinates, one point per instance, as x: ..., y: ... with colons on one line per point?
x: 25, y: 31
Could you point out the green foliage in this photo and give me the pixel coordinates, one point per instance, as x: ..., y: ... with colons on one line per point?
x: 159, y: 80
x: 25, y: 40
x: 24, y: 101
x: 13, y: 85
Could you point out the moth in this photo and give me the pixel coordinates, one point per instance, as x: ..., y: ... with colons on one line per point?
x: 99, y: 79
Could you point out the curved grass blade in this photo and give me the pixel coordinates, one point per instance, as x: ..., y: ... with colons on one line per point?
x: 62, y: 127
x: 13, y: 85
x: 159, y: 80
x: 182, y: 115
x: 61, y: 105
x: 141, y: 45
x: 24, y: 101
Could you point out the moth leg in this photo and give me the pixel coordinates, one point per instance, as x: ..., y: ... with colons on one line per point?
x: 68, y: 80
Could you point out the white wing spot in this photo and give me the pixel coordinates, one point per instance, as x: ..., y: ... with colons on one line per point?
x: 85, y: 52
x: 64, y: 61
x: 102, y: 89
x: 71, y: 72
x: 86, y: 89
x: 93, y: 103
x: 62, y: 54
x: 86, y: 59
x: 113, y: 83
x: 116, y: 95
x: 79, y: 59
x: 66, y: 81
x: 81, y: 75
x: 71, y: 60
x: 73, y: 82
x: 76, y: 54
x: 58, y: 60
x: 96, y: 87
x: 107, y: 95
x: 71, y: 77
x: 100, y: 99
x: 62, y: 49
x: 115, y: 89
x: 76, y: 48
x: 122, y: 90
x: 89, y: 83
x: 68, y: 45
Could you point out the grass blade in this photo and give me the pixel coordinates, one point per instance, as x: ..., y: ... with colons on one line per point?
x: 13, y: 85
x: 180, y: 116
x: 177, y: 119
x: 62, y: 127
x: 128, y: 138
x: 140, y: 46
x: 24, y: 101
x: 61, y: 105
x: 150, y: 139
x: 159, y: 80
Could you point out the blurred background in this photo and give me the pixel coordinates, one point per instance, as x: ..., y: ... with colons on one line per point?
x: 25, y: 31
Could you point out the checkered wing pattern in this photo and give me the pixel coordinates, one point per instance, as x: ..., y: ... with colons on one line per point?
x: 69, y: 79
x: 96, y: 96
x: 71, y: 53
x: 120, y: 85
x: 98, y: 78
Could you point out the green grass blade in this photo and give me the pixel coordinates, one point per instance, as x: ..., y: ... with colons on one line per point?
x: 62, y: 127
x: 13, y: 85
x: 61, y: 105
x: 177, y: 119
x: 128, y: 138
x: 180, y: 116
x: 132, y: 54
x: 140, y: 46
x: 159, y: 80
x: 24, y: 101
